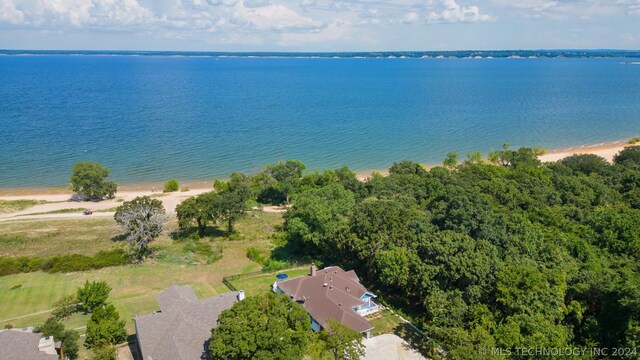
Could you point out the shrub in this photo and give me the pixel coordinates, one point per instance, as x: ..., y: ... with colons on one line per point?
x: 103, y: 353
x: 275, y: 265
x: 8, y: 266
x: 63, y: 263
x: 171, y: 186
x: 254, y: 254
x: 203, y: 250
x: 634, y: 140
x: 8, y: 326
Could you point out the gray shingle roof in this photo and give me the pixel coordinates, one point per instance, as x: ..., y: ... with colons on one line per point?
x: 21, y: 345
x: 182, y: 327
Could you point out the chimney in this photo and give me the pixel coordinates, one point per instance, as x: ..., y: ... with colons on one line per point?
x: 313, y: 270
x: 240, y: 295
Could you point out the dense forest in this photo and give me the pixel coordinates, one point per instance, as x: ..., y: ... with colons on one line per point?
x: 507, y: 254
x: 498, y: 254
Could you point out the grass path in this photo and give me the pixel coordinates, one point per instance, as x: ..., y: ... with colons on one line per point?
x: 24, y: 316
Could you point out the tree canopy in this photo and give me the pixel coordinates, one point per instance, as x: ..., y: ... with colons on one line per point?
x: 507, y: 253
x: 93, y: 295
x: 105, y: 327
x: 142, y: 218
x: 88, y: 179
x: 266, y: 326
x: 503, y: 253
x: 69, y: 338
x: 342, y: 342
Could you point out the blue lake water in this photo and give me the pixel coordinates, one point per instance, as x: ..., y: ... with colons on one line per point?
x: 152, y: 118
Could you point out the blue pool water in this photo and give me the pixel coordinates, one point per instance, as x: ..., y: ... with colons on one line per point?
x: 150, y: 118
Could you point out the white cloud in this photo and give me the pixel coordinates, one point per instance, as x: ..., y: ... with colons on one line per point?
x: 274, y: 16
x: 334, y: 31
x: 454, y: 13
x: 633, y: 6
x: 535, y: 5
x: 73, y: 13
x: 9, y: 13
x: 410, y: 17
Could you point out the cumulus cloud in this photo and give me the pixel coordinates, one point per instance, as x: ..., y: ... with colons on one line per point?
x: 454, y: 13
x: 334, y: 31
x: 410, y: 17
x: 633, y: 6
x: 73, y: 13
x: 9, y: 13
x: 273, y: 16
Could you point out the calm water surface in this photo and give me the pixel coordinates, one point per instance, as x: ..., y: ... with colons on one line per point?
x: 152, y: 118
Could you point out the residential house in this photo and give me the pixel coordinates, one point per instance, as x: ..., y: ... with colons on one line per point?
x: 332, y: 293
x: 181, y: 329
x: 25, y: 344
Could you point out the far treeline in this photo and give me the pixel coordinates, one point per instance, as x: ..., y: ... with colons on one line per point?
x: 482, y: 255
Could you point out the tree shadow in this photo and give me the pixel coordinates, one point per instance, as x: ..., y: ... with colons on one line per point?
x: 192, y: 233
x: 291, y: 252
x: 205, y: 351
x: 120, y: 237
x: 416, y: 340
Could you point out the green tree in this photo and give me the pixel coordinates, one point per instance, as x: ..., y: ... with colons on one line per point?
x: 142, y: 218
x: 474, y: 158
x: 195, y: 209
x: 407, y: 167
x: 587, y: 164
x: 88, y: 179
x: 267, y: 326
x: 103, y: 353
x: 287, y: 174
x: 342, y: 342
x: 320, y: 217
x: 629, y: 157
x: 65, y: 307
x: 171, y: 185
x: 69, y: 338
x: 93, y: 295
x: 105, y: 327
x: 227, y: 206
x: 451, y: 161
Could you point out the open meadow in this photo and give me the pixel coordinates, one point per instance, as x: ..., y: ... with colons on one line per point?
x: 26, y: 298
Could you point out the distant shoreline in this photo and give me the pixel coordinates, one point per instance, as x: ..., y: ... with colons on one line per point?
x: 484, y: 54
x: 606, y: 150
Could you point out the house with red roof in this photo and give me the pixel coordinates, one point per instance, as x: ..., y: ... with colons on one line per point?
x: 332, y: 293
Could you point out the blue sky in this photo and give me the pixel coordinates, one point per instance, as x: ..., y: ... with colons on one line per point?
x: 319, y: 25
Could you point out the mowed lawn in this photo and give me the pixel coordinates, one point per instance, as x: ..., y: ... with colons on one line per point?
x: 56, y: 237
x: 134, y: 286
x: 260, y: 284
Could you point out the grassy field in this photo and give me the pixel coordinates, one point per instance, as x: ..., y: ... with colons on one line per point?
x: 260, y: 284
x: 385, y: 322
x: 56, y: 237
x: 9, y: 206
x: 134, y: 286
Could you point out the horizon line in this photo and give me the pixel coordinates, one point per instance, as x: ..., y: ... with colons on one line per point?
x: 325, y: 52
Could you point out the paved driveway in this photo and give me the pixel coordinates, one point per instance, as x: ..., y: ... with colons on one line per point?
x: 389, y: 347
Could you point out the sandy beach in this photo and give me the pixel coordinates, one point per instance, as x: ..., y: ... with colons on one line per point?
x: 58, y: 198
x: 605, y: 150
x: 60, y: 201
